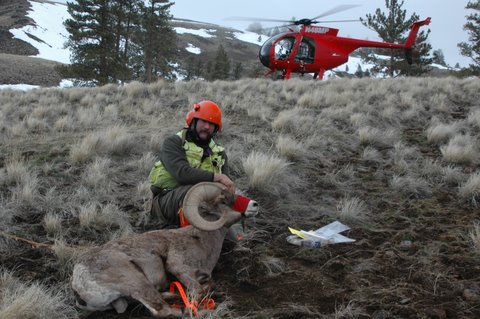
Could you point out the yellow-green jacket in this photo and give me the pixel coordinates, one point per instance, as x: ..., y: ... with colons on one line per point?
x: 183, y: 162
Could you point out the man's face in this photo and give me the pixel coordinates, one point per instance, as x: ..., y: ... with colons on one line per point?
x: 204, y: 129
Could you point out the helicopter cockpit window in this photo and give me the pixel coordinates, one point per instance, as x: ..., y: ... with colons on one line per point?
x: 306, y: 50
x: 283, y: 48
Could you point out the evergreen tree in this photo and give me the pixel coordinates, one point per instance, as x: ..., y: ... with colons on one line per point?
x: 438, y: 57
x: 237, y: 71
x: 126, y: 19
x: 391, y: 27
x: 221, y: 65
x: 194, y: 69
x: 91, y: 41
x: 157, y: 40
x: 359, y: 72
x: 472, y: 47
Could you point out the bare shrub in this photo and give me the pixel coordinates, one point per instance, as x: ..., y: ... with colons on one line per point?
x: 371, y: 154
x: 96, y: 174
x: 471, y: 189
x: 358, y: 119
x: 114, y: 140
x: 474, y: 235
x: 460, y: 149
x: 404, y: 157
x: 349, y: 311
x: 452, y: 175
x: 16, y: 171
x: 351, y: 209
x: 273, y: 266
x: 290, y: 148
x: 64, y: 123
x: 117, y: 140
x: 29, y: 191
x: 143, y: 199
x: 439, y: 132
x: 135, y: 89
x: 103, y: 217
x: 88, y: 117
x: 374, y: 136
x: 84, y: 150
x: 65, y: 257
x: 145, y: 163
x: 264, y: 171
x: 410, y: 185
x: 31, y: 300
x: 474, y: 118
x: 52, y: 224
x: 295, y: 120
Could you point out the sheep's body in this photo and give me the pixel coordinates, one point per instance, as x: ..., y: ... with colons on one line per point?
x: 139, y: 266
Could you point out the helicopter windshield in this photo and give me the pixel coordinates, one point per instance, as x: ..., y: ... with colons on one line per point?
x: 283, y: 48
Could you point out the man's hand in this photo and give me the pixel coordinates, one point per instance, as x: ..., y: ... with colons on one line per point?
x: 225, y: 180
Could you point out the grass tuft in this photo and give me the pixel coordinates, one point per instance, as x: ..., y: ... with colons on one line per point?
x: 32, y: 300
x: 264, y: 171
x: 471, y: 189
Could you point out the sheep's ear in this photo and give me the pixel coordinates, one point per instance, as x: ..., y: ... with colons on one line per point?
x: 209, y: 192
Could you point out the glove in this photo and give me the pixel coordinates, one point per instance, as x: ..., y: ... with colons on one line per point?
x: 252, y: 209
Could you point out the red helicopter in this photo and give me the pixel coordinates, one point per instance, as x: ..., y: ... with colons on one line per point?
x: 314, y: 49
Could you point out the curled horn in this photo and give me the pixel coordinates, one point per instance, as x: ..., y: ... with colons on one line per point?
x: 213, y: 193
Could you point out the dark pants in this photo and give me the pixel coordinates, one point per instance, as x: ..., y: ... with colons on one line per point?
x: 165, y: 207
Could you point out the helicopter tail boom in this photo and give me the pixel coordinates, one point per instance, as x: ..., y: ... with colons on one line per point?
x: 413, y: 32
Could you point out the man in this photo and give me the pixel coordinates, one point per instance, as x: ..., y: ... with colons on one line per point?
x: 189, y: 157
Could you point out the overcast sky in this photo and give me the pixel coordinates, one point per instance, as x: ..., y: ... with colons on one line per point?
x: 448, y: 17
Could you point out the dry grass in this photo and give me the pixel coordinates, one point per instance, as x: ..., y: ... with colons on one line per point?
x: 31, y: 300
x: 474, y: 235
x: 461, y: 149
x: 264, y: 171
x: 471, y: 189
x: 352, y: 210
x: 394, y: 159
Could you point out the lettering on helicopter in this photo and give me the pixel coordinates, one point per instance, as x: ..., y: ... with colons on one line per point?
x: 318, y: 30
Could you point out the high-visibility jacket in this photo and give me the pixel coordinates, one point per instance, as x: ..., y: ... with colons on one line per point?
x: 161, y: 178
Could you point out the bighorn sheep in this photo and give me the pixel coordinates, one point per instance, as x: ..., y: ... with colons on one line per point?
x: 137, y: 266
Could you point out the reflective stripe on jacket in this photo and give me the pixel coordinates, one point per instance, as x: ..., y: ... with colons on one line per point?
x: 161, y: 178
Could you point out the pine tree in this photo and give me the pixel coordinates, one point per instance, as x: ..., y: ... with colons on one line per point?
x: 438, y: 57
x: 126, y: 21
x: 91, y: 41
x: 472, y: 47
x: 221, y: 65
x: 157, y: 39
x: 237, y: 71
x: 391, y: 27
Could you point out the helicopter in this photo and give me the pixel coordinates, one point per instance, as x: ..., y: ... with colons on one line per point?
x: 315, y: 49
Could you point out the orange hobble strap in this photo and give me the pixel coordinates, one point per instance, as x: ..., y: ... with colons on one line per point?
x: 183, y: 220
x: 206, y: 303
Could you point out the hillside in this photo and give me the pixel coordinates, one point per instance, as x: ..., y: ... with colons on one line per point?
x: 397, y: 160
x: 14, y: 15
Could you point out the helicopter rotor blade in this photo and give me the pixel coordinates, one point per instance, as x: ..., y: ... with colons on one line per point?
x: 335, y: 21
x: 257, y: 19
x: 336, y: 10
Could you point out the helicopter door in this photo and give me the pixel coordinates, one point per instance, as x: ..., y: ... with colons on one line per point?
x: 306, y: 51
x: 283, y: 48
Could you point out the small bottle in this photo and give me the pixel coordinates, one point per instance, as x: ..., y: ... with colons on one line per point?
x: 311, y: 243
x: 292, y: 239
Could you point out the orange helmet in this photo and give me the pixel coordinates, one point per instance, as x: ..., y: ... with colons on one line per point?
x: 207, y: 111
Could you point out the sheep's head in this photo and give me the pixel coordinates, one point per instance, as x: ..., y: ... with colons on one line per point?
x: 216, y: 198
